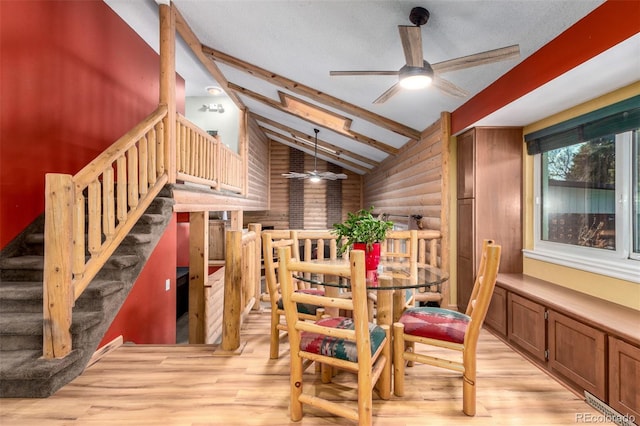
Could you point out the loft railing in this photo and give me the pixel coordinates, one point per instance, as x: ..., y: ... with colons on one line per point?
x: 88, y: 215
x: 203, y: 159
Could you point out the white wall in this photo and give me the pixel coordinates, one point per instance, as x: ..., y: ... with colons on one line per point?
x: 227, y: 124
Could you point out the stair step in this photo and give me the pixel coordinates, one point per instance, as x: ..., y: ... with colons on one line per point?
x: 23, y: 330
x: 20, y: 296
x: 29, y: 364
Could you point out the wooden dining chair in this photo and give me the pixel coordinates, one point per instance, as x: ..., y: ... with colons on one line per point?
x: 352, y: 343
x: 448, y: 329
x: 306, y: 311
x: 400, y: 246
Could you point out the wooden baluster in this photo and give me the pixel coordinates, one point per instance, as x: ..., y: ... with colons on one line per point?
x: 108, y: 203
x: 151, y: 171
x: 143, y: 168
x: 132, y: 176
x: 95, y: 231
x: 121, y: 188
x: 79, y: 242
x: 160, y: 148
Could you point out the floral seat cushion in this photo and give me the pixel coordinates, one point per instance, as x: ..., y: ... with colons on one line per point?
x: 435, y: 323
x: 336, y: 347
x: 305, y: 308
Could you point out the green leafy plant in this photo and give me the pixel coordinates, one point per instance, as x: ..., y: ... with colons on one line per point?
x: 361, y: 227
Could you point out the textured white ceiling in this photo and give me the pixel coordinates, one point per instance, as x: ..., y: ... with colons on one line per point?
x: 304, y: 40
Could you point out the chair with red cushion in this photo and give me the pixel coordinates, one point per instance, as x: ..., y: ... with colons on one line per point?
x: 351, y: 344
x: 448, y: 329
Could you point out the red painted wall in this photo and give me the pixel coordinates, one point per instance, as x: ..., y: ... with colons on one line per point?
x: 149, y: 313
x: 73, y: 79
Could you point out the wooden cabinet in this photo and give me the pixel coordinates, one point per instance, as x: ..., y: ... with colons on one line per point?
x: 526, y: 325
x: 489, y: 201
x: 496, y: 318
x: 624, y: 376
x: 578, y: 353
x: 586, y: 343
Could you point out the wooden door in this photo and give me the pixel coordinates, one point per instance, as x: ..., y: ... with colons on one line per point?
x: 526, y: 325
x: 624, y: 376
x: 496, y: 318
x: 577, y: 352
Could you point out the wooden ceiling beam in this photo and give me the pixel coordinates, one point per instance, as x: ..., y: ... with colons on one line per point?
x: 312, y: 93
x: 311, y: 139
x: 273, y: 134
x: 349, y: 133
x: 196, y: 47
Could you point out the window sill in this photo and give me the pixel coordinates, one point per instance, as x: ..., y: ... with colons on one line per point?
x: 623, y: 269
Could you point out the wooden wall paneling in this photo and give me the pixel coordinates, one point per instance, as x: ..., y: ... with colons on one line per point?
x: 258, y: 169
x: 277, y: 212
x: 351, y: 193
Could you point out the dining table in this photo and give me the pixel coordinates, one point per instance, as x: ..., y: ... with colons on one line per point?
x: 392, y: 283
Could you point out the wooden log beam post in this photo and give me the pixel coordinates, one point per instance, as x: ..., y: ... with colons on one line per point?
x: 58, y: 293
x: 198, y: 274
x: 168, y: 83
x: 257, y: 228
x: 232, y: 291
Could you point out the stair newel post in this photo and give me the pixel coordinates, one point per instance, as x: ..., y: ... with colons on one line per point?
x: 58, y: 293
x: 257, y: 266
x: 232, y: 291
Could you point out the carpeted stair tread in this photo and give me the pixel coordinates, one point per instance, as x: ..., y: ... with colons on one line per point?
x: 138, y: 238
x: 23, y: 262
x: 29, y: 364
x: 122, y: 261
x: 30, y: 323
x: 20, y: 290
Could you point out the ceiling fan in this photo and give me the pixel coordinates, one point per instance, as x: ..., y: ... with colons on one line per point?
x: 418, y: 73
x: 315, y: 175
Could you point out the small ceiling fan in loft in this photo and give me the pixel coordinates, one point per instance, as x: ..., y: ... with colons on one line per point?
x: 315, y: 175
x: 418, y: 73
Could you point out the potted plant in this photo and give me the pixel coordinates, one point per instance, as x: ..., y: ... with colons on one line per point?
x: 365, y: 232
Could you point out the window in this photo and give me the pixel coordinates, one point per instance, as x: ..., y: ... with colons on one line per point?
x: 587, y: 192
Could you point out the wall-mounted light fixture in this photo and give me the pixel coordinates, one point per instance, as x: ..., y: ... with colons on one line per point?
x: 213, y: 108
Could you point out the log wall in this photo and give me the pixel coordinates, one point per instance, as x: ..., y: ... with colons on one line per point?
x: 411, y: 183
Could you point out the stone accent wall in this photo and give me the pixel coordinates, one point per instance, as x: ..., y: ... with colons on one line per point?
x: 334, y: 197
x: 296, y: 187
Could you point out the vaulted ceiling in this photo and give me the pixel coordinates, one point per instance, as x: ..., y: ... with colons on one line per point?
x: 275, y: 58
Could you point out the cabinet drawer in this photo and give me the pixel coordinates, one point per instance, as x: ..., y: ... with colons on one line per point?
x: 624, y: 376
x: 526, y: 325
x: 496, y: 317
x: 577, y: 352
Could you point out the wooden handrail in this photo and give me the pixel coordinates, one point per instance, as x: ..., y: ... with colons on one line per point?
x: 88, y: 215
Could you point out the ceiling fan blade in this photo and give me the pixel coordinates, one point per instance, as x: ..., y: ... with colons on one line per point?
x: 448, y: 87
x: 295, y: 175
x: 338, y: 73
x: 332, y: 176
x: 411, y: 37
x: 387, y: 94
x: 476, y: 59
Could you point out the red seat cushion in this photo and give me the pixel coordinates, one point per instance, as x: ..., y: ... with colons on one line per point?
x: 435, y: 323
x: 336, y: 347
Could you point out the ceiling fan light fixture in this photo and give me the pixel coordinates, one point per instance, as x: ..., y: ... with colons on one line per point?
x: 414, y: 78
x: 315, y: 179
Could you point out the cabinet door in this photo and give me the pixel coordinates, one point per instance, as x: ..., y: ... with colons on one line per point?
x: 624, y: 376
x: 466, y: 164
x: 496, y: 318
x: 526, y: 325
x: 466, y: 256
x: 577, y: 352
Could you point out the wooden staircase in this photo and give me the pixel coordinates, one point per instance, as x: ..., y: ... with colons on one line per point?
x: 24, y: 372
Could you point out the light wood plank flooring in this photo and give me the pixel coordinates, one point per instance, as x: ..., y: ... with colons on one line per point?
x: 195, y: 386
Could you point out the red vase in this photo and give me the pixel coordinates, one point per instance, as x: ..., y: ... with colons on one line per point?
x: 371, y: 257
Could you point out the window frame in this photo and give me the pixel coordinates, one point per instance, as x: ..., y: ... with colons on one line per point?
x: 620, y: 263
